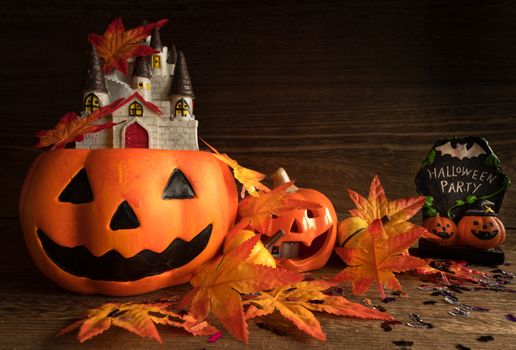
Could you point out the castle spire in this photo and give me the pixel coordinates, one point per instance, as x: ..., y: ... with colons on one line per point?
x: 155, y: 41
x: 182, y: 85
x: 142, y: 67
x: 172, y: 56
x: 95, y: 79
x: 142, y: 77
x: 181, y: 91
x: 95, y: 94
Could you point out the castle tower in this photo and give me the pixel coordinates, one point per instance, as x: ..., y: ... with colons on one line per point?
x: 181, y: 91
x: 95, y: 93
x: 171, y: 60
x: 158, y: 60
x: 142, y: 77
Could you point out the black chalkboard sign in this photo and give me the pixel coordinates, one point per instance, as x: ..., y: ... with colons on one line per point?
x: 457, y: 174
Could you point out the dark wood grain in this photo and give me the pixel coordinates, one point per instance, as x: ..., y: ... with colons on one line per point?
x: 333, y: 91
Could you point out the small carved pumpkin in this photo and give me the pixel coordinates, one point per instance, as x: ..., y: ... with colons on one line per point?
x: 309, y: 235
x: 443, y: 228
x: 481, y: 229
x: 125, y: 221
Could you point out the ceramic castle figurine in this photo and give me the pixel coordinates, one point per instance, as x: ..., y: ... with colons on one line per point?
x: 157, y: 110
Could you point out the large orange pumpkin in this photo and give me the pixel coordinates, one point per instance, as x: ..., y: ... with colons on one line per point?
x: 481, y: 229
x: 309, y: 235
x: 125, y: 221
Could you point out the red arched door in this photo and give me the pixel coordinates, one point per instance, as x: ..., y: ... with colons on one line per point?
x: 136, y: 136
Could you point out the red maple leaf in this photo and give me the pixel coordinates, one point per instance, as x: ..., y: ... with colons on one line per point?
x: 72, y: 128
x: 117, y: 45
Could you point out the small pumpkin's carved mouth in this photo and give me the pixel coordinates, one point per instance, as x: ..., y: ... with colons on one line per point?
x: 442, y: 234
x: 485, y: 235
x: 112, y: 266
x: 297, y: 250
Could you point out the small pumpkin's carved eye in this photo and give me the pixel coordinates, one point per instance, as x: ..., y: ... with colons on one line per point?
x: 178, y: 187
x: 78, y: 191
x: 475, y: 222
x: 438, y: 224
x: 447, y: 225
x: 311, y: 214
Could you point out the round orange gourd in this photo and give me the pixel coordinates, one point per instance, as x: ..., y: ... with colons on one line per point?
x: 125, y: 221
x: 309, y: 234
x: 481, y: 230
x: 349, y: 231
x: 443, y: 228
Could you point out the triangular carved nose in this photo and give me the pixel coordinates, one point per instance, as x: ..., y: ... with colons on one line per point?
x: 124, y: 218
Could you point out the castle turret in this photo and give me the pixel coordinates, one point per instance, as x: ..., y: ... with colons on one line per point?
x: 159, y: 64
x: 171, y: 60
x: 181, y: 91
x: 95, y: 94
x: 142, y: 77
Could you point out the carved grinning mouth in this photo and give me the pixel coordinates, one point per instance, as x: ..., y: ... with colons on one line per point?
x: 485, y: 235
x: 112, y: 266
x: 442, y: 234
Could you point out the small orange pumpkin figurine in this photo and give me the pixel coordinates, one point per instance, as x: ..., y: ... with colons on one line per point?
x: 443, y: 228
x: 125, y: 221
x: 481, y: 228
x: 309, y: 235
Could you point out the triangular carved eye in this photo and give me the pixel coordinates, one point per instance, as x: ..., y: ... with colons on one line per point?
x: 178, y: 187
x: 78, y: 190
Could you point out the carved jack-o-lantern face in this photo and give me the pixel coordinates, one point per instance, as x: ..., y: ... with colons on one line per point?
x: 483, y: 232
x: 128, y: 221
x: 309, y: 235
x: 443, y: 228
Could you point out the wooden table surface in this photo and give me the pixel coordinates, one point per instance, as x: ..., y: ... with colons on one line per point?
x: 333, y: 91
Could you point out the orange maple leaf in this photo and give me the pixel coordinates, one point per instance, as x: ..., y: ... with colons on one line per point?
x: 296, y: 301
x: 449, y: 269
x: 250, y: 179
x: 378, y: 257
x: 117, y: 44
x: 218, y: 286
x: 258, y: 212
x: 72, y: 128
x: 136, y: 318
x: 376, y: 206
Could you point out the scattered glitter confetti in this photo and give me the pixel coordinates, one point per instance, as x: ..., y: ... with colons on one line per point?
x: 485, y: 338
x: 215, y: 337
x: 473, y: 308
x: 403, y: 342
x: 462, y: 347
x: 417, y: 322
x: 459, y: 312
x: 510, y: 317
x: 387, y: 325
x: 388, y: 300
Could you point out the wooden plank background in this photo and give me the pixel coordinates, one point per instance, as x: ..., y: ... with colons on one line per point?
x: 334, y: 91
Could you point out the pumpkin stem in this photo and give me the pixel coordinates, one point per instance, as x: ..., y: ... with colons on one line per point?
x: 279, y: 177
